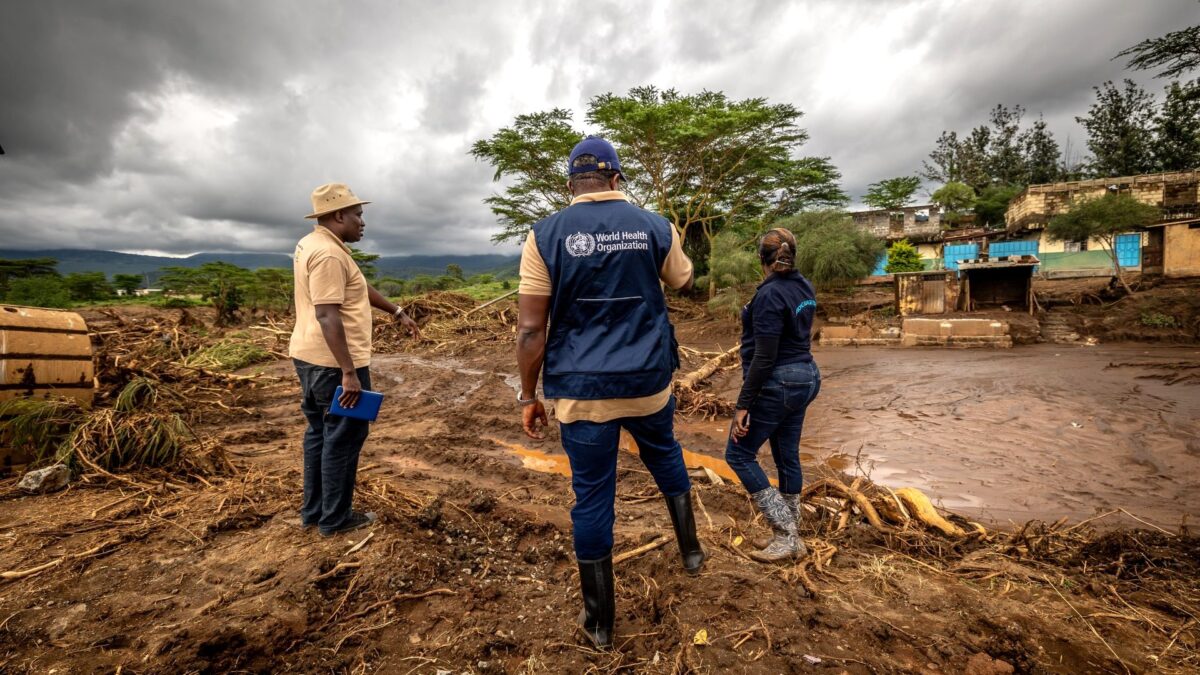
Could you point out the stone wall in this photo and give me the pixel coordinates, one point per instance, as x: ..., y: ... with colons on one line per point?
x: 893, y: 225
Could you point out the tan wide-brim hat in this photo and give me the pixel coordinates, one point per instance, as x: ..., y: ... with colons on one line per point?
x: 333, y: 197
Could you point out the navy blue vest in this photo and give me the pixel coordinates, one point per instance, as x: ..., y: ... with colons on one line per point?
x: 609, y: 332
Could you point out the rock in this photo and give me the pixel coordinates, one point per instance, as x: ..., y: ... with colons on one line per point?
x: 48, y: 479
x: 982, y: 664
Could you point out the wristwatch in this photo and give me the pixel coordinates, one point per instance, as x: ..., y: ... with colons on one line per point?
x: 526, y: 401
x: 398, y: 312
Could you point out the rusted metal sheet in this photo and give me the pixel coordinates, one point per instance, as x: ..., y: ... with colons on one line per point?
x: 43, y: 353
x: 925, y: 292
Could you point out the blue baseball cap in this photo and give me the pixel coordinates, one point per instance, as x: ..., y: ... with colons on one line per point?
x: 602, y: 150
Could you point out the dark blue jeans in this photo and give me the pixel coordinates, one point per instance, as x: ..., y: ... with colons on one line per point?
x: 331, y: 447
x: 777, y: 415
x: 592, y: 448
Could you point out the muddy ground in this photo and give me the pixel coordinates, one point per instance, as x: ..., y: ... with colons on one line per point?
x: 470, y: 568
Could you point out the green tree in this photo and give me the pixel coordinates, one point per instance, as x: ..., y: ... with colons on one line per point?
x: 831, y: 251
x: 1005, y: 156
x: 973, y: 158
x: 704, y: 161
x: 43, y: 290
x: 892, y: 193
x: 1103, y: 218
x: 955, y: 199
x: 713, y: 163
x: 992, y: 203
x: 87, y: 286
x: 903, y: 257
x: 272, y: 288
x: 531, y: 155
x: 25, y: 268
x: 1118, y: 128
x: 733, y: 261
x: 1177, y: 128
x: 127, y: 282
x: 943, y: 163
x: 455, y: 271
x: 392, y: 287
x: 1042, y: 158
x: 1178, y: 51
x: 365, y: 262
x: 220, y: 283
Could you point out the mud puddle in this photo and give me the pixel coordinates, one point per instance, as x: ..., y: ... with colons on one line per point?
x: 559, y: 464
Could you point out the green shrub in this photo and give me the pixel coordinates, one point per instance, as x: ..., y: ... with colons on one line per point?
x: 903, y: 257
x: 1159, y: 320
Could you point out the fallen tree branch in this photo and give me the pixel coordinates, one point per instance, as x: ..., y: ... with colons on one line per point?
x: 657, y: 543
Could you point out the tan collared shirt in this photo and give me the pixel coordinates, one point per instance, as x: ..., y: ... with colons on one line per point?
x: 327, y: 275
x: 535, y: 280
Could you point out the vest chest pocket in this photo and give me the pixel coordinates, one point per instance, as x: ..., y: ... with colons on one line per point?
x: 605, y: 335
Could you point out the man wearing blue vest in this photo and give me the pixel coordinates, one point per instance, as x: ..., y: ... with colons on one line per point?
x: 594, y: 271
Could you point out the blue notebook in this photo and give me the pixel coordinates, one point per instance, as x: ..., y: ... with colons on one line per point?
x: 367, y: 407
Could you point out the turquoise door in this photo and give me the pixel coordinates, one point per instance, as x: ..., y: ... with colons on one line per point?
x: 1129, y: 250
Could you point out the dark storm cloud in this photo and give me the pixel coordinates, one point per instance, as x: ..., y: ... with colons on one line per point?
x: 203, y: 126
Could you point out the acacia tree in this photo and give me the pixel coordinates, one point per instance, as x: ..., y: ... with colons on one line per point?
x: 532, y: 155
x: 892, y: 193
x: 1103, y: 218
x: 1178, y: 51
x: 221, y: 283
x: 703, y: 161
x: 127, y: 282
x: 1118, y: 128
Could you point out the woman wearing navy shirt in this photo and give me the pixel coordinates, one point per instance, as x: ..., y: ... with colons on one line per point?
x: 779, y: 381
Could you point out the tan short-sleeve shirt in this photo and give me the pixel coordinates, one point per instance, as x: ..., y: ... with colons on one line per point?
x: 326, y: 274
x: 535, y: 280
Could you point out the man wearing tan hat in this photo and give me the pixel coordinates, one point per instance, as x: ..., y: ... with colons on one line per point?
x: 331, y: 346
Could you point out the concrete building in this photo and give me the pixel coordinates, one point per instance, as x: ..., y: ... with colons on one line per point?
x: 1171, y: 246
x: 920, y: 225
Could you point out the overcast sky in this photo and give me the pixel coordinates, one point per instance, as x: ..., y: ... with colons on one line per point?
x: 178, y: 126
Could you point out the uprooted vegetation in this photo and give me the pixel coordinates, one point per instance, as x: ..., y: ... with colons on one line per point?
x: 470, y: 568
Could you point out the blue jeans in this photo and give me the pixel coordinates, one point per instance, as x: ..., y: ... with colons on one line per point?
x: 592, y: 448
x: 777, y: 415
x: 331, y: 447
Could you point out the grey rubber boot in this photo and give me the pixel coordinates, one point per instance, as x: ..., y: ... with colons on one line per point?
x: 783, y: 545
x: 793, y: 502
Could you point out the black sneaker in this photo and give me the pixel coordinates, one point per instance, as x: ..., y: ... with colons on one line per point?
x: 357, y: 520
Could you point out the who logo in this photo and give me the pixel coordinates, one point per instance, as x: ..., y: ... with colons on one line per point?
x: 580, y: 244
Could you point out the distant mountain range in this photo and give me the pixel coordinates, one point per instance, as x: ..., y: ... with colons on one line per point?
x: 401, y: 267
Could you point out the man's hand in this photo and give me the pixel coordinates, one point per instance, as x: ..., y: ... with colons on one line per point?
x: 530, y: 416
x: 741, y: 424
x: 351, y: 390
x: 410, y: 326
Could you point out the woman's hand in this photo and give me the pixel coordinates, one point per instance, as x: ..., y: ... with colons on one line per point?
x: 741, y: 424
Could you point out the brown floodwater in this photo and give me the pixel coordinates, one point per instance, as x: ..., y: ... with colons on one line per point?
x: 1040, y: 431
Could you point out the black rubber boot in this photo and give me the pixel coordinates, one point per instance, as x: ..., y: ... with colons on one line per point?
x: 684, y: 522
x: 599, y: 607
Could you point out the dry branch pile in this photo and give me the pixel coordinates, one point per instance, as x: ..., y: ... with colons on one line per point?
x: 179, y: 351
x: 449, y: 321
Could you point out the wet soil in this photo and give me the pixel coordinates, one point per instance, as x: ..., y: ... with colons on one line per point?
x: 470, y: 569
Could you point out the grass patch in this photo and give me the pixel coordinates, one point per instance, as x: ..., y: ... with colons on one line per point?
x: 227, y: 355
